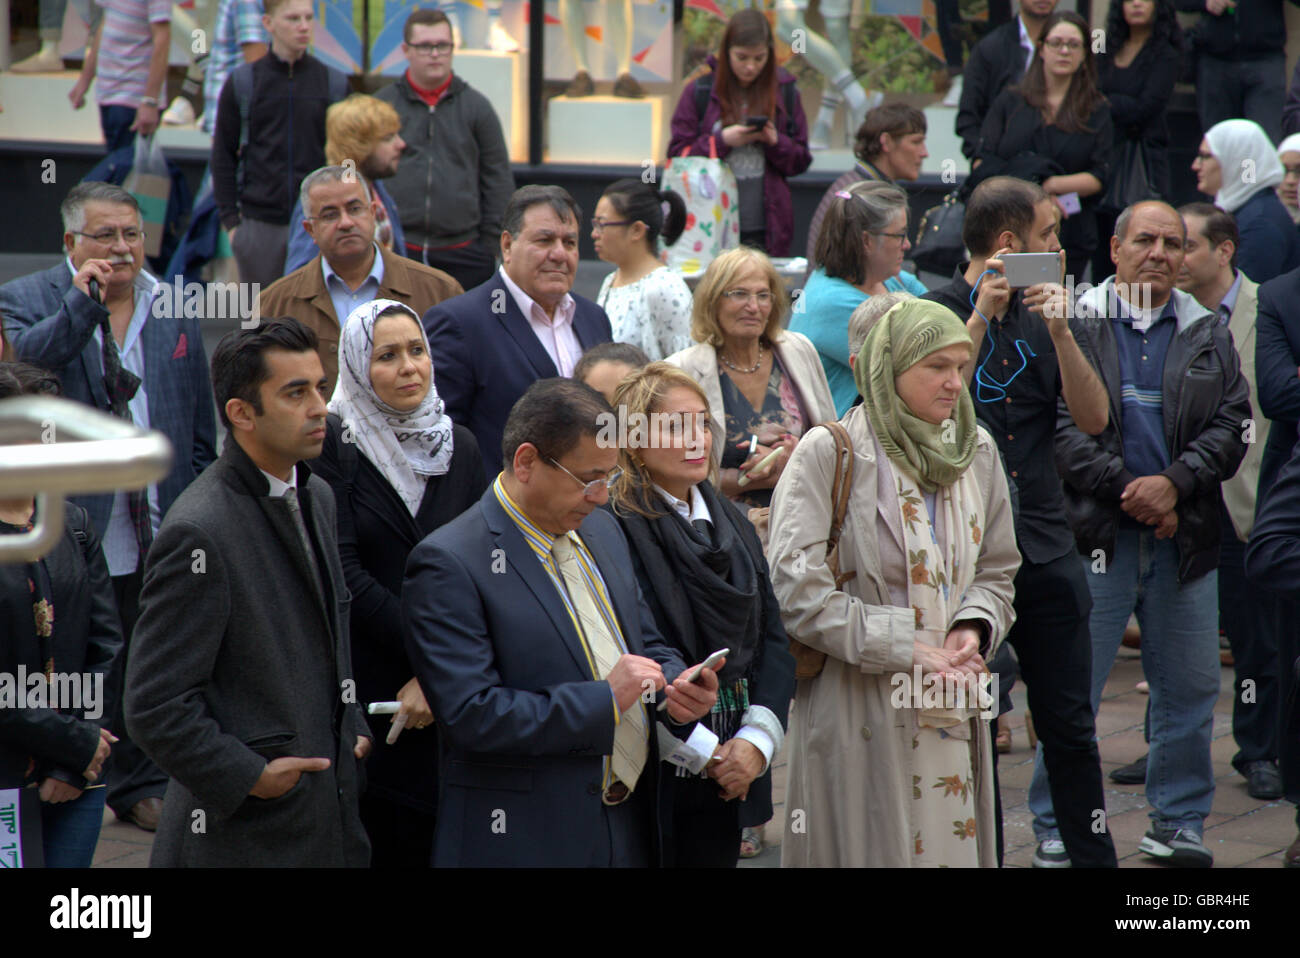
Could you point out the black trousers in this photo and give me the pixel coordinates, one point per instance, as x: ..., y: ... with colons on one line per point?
x: 132, y: 775
x: 1248, y: 614
x: 471, y: 265
x: 400, y: 836
x: 706, y: 830
x: 1287, y: 612
x: 1054, y: 646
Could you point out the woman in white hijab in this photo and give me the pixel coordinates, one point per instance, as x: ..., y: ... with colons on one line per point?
x: 1288, y: 153
x: 399, y: 469
x: 1238, y: 165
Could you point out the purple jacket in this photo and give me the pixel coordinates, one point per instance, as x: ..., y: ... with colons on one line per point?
x: 789, y: 157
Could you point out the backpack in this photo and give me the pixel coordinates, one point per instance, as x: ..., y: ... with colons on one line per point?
x: 241, y: 79
x: 809, y: 662
x: 704, y: 90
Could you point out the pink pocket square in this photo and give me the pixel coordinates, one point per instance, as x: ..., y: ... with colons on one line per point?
x: 182, y: 348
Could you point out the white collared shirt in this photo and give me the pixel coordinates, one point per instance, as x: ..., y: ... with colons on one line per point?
x: 121, y: 548
x: 278, y: 486
x: 346, y: 299
x: 556, y: 335
x: 697, y: 508
x: 1026, y: 44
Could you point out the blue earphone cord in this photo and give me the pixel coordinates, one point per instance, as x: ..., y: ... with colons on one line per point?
x: 983, y: 381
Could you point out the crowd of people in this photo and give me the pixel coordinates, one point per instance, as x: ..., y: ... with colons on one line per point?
x: 487, y: 573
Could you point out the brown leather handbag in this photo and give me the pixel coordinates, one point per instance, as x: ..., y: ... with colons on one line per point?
x: 808, y: 662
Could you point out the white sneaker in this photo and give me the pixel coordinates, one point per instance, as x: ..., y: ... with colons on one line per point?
x: 44, y: 60
x: 953, y: 96
x: 1050, y: 853
x: 501, y: 41
x: 180, y: 113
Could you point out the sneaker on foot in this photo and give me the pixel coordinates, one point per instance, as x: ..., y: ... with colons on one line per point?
x: 1134, y: 773
x: 1180, y: 847
x: 180, y: 113
x: 1050, y: 853
x: 953, y: 96
x: 42, y: 61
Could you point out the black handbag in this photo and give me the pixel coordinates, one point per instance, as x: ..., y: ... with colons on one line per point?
x: 1130, y: 180
x: 939, y: 247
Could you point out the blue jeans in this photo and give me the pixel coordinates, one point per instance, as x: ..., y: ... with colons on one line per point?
x: 70, y: 830
x: 116, y: 122
x: 1180, y: 658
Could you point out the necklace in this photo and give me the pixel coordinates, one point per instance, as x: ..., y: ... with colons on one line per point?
x: 752, y: 369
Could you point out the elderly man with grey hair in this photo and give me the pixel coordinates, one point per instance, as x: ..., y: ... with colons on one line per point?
x: 524, y: 324
x: 97, y: 322
x: 351, y: 268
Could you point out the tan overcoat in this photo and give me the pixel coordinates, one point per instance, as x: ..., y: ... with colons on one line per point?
x: 850, y: 777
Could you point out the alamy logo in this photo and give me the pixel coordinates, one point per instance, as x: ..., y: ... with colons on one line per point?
x: 66, y: 691
x: 77, y: 911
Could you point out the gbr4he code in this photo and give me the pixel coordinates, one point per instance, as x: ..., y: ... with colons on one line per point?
x: 1164, y: 901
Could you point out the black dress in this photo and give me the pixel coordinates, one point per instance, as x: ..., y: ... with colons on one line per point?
x: 1139, y: 97
x: 376, y: 533
x: 1014, y: 131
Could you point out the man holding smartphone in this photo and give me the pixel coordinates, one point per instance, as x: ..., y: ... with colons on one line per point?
x: 1025, y: 360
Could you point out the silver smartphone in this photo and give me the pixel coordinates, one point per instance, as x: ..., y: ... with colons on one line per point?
x: 1030, y: 269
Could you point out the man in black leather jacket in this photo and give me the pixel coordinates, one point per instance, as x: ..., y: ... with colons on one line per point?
x: 1143, y: 500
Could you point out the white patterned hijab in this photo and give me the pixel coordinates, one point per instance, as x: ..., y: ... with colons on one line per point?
x: 406, y: 447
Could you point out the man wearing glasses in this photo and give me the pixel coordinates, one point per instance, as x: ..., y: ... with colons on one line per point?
x: 455, y: 178
x: 95, y: 321
x: 524, y: 324
x: 540, y: 658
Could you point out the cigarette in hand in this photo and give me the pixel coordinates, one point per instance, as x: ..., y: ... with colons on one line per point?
x: 384, y: 708
x: 763, y: 464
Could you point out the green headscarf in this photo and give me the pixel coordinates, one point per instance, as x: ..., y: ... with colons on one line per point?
x: 935, y: 455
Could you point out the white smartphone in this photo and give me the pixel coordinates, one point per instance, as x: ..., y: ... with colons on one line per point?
x: 693, y: 675
x: 1030, y: 269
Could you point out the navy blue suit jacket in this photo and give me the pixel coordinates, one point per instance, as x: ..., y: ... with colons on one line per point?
x: 1277, y: 358
x: 51, y: 324
x: 485, y: 355
x: 524, y: 724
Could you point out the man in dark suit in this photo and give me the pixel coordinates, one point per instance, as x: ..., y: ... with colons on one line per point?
x: 523, y: 324
x: 240, y: 681
x: 156, y: 376
x: 351, y: 268
x: 540, y: 658
x: 999, y: 60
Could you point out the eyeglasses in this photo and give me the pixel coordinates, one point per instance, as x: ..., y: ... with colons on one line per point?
x: 599, y: 226
x: 741, y: 296
x: 1293, y: 170
x: 1057, y: 43
x: 898, y: 236
x: 594, y: 487
x: 1204, y: 157
x: 431, y: 49
x: 130, y: 236
x: 332, y: 214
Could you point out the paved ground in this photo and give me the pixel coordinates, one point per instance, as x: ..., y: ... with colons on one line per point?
x: 1241, y: 832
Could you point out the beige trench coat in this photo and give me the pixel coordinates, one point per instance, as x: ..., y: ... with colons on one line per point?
x: 850, y: 786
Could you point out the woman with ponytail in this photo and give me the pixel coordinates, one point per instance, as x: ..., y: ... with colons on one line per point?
x: 649, y: 305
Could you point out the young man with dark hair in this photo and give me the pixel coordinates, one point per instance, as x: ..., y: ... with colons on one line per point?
x: 270, y: 134
x: 540, y: 658
x: 244, y: 598
x: 1016, y: 398
x: 453, y: 184
x: 490, y: 344
x: 890, y: 146
x: 1247, y: 612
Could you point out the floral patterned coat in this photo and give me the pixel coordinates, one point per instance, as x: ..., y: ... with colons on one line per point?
x: 850, y: 786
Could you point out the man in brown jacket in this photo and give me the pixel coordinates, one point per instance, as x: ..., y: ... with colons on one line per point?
x: 352, y: 269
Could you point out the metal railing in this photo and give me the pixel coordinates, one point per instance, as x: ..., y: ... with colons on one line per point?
x: 53, y: 447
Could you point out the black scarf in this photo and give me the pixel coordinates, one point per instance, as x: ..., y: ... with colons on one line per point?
x: 708, y: 589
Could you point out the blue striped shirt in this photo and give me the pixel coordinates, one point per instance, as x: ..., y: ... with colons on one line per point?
x: 1141, y: 372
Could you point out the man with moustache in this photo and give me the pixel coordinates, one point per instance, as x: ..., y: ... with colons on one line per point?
x: 240, y: 682
x: 1143, y: 500
x: 122, y: 351
x: 523, y: 324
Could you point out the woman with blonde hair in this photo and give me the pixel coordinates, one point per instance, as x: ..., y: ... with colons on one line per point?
x: 765, y: 385
x: 701, y: 570
x: 890, y: 756
x: 364, y: 131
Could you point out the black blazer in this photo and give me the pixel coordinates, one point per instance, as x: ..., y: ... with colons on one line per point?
x: 1013, y: 128
x: 87, y: 639
x: 485, y: 355
x: 376, y: 533
x: 1139, y: 98
x: 996, y: 62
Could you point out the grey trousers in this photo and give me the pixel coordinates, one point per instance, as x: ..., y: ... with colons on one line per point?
x: 260, y: 250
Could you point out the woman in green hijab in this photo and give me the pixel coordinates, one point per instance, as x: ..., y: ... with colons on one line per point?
x: 890, y: 756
